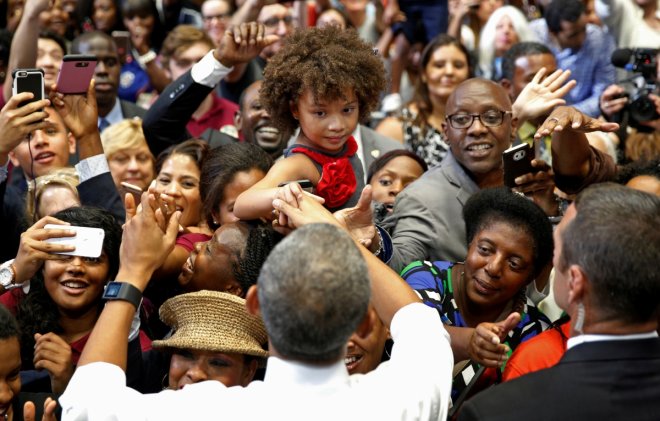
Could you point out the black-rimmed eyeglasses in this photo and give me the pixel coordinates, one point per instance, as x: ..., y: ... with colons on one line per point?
x: 490, y: 118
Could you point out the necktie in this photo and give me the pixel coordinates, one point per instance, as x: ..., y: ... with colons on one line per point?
x: 103, y: 124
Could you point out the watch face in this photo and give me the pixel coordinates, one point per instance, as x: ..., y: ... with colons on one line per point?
x: 5, y: 277
x: 112, y: 290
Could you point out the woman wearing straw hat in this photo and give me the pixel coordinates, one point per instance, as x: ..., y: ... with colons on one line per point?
x: 214, y: 339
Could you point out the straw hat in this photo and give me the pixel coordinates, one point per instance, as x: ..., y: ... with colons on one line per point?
x: 212, y: 321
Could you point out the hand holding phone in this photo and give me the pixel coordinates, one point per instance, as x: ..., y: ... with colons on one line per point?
x: 134, y: 190
x: 517, y: 161
x: 28, y: 80
x: 88, y: 242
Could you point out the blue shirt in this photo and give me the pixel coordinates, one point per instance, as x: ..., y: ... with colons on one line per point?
x: 590, y: 66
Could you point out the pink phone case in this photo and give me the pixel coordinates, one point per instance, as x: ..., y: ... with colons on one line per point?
x: 75, y: 74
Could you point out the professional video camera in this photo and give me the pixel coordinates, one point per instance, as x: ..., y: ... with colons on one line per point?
x: 643, y: 62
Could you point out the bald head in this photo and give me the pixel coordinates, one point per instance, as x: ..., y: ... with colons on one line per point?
x: 478, y: 87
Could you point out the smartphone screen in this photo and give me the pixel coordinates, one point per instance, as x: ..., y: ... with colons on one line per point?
x: 29, y: 80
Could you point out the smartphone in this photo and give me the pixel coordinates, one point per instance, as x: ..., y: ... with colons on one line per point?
x: 28, y: 80
x: 88, y: 242
x: 75, y: 74
x: 304, y: 184
x: 134, y: 190
x: 123, y: 42
x: 517, y: 161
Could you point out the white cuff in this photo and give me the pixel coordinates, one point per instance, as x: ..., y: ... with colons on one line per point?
x: 91, y: 167
x: 209, y: 71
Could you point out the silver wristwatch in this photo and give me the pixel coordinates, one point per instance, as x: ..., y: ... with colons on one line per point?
x: 7, y: 277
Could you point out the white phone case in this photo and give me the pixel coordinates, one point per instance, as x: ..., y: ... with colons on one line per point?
x: 88, y: 241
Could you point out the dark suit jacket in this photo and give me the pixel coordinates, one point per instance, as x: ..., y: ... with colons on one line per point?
x: 609, y: 380
x: 375, y: 145
x: 130, y: 110
x: 164, y: 124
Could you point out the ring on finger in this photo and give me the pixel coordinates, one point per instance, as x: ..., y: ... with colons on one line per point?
x: 555, y: 119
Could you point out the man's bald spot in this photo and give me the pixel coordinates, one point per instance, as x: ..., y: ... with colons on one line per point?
x: 481, y: 87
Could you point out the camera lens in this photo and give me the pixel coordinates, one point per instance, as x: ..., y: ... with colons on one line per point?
x: 643, y: 109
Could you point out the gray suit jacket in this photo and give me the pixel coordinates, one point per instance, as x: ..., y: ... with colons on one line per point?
x: 427, y: 222
x: 375, y: 145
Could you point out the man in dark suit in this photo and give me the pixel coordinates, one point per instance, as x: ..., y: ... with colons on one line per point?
x: 607, y: 280
x: 165, y: 122
x: 106, y: 78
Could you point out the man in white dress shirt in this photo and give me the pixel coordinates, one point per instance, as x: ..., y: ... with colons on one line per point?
x: 313, y: 293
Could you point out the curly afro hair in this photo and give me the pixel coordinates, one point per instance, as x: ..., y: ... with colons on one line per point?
x: 326, y: 60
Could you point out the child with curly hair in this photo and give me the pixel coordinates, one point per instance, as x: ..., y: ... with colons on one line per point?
x: 325, y: 81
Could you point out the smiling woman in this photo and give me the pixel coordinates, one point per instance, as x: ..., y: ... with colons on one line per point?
x: 214, y: 339
x: 64, y: 302
x: 509, y: 244
x: 444, y: 64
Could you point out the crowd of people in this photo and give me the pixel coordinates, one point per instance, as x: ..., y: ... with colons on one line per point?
x: 300, y: 210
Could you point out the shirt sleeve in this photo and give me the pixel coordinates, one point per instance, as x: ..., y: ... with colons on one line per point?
x: 209, y: 71
x: 421, y: 359
x: 91, y: 167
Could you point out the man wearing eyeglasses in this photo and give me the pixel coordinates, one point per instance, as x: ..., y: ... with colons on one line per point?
x: 427, y: 219
x: 215, y: 17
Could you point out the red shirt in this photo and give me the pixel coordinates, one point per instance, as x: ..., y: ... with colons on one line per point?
x: 542, y: 351
x: 221, y: 114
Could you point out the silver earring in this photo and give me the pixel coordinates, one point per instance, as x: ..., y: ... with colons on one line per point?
x: 579, y: 319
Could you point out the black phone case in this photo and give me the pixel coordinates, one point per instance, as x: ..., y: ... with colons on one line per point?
x: 516, y: 162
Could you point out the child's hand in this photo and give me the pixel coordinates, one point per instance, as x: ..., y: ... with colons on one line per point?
x: 242, y: 43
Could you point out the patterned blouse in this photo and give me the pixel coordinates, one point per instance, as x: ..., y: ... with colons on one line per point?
x: 432, y: 282
x: 426, y: 142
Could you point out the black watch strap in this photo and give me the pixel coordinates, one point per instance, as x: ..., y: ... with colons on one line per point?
x: 122, y: 291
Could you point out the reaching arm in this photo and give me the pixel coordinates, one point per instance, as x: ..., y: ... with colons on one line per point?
x: 23, y: 51
x: 148, y: 238
x: 389, y: 292
x: 257, y: 201
x: 165, y: 122
x: 571, y: 153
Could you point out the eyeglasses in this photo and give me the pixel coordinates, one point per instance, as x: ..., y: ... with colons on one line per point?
x: 221, y: 17
x: 491, y: 118
x: 274, y: 21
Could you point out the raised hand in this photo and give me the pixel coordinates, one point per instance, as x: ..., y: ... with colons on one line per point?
x: 486, y: 347
x: 148, y: 239
x: 52, y: 353
x: 242, y: 43
x: 539, y: 186
x: 541, y: 95
x: 29, y: 410
x: 358, y: 220
x: 79, y: 112
x: 570, y: 119
x: 34, y: 250
x: 17, y: 122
